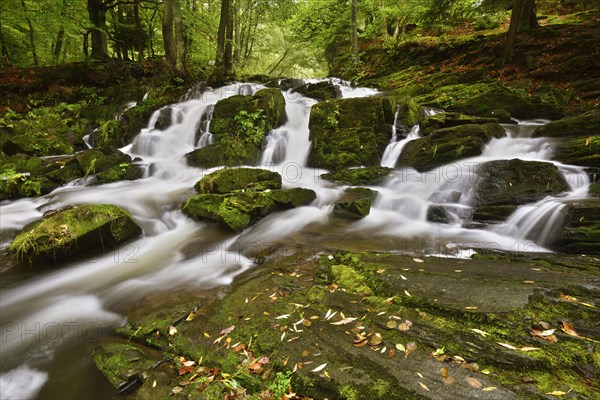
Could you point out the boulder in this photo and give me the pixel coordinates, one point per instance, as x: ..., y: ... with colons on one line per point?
x: 595, y: 190
x: 213, y: 155
x: 355, y: 203
x: 236, y: 211
x: 16, y: 185
x: 439, y: 214
x: 122, y: 364
x: 450, y: 119
x: 446, y: 145
x: 583, y: 151
x: 121, y: 172
x: 503, y: 185
x: 93, y: 161
x: 359, y: 176
x: 74, y: 231
x: 38, y: 144
x: 355, y: 132
x: 227, y: 180
x: 319, y: 91
x: 587, y: 124
x: 580, y: 233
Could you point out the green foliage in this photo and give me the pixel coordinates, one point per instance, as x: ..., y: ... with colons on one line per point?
x: 251, y: 125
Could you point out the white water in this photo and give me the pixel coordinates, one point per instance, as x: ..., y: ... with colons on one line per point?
x: 176, y: 251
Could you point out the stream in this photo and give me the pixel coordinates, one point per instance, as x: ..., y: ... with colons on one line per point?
x: 51, y: 320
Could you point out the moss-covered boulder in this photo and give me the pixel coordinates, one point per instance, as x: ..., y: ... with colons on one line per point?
x: 446, y: 145
x: 439, y: 214
x: 122, y: 364
x: 236, y: 211
x: 358, y: 176
x: 93, y: 161
x: 485, y: 99
x: 450, y: 119
x: 355, y: 203
x: 110, y: 133
x: 239, y: 126
x: 355, y: 132
x: 595, y: 190
x: 74, y: 231
x: 14, y: 185
x: 230, y: 179
x: 38, y: 144
x: 121, y: 172
x: 319, y: 91
x: 582, y: 125
x: 65, y: 170
x: 580, y: 233
x: 583, y: 151
x: 506, y: 184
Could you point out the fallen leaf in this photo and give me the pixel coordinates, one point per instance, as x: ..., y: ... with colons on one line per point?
x: 529, y: 282
x: 444, y: 372
x: 404, y: 326
x: 471, y: 308
x: 424, y: 386
x: 375, y: 340
x: 227, y: 331
x: 380, y: 271
x: 400, y: 347
x: 154, y: 384
x: 557, y: 393
x: 176, y: 389
x: 418, y: 260
x: 360, y: 342
x: 172, y: 330
x: 283, y: 316
x: 392, y: 353
x: 473, y: 367
x: 458, y: 270
x: 189, y: 363
x: 545, y: 325
x: 344, y: 321
x: 403, y: 277
x: 410, y: 348
x: 567, y: 297
x: 508, y: 346
x: 391, y: 324
x: 529, y: 348
x: 255, y: 366
x: 568, y: 329
x: 479, y: 331
x: 319, y: 368
x: 406, y: 293
x: 420, y: 375
x: 449, y: 380
x: 489, y: 388
x: 473, y: 382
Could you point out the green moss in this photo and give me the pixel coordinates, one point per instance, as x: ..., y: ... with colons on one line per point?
x: 348, y: 392
x: 74, y: 231
x: 359, y: 176
x: 587, y: 124
x: 449, y: 119
x: 120, y: 172
x: 350, y: 279
x: 355, y: 203
x: 121, y: 363
x: 229, y: 179
x: 583, y: 151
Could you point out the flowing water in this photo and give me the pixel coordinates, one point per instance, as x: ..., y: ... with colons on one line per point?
x: 50, y: 321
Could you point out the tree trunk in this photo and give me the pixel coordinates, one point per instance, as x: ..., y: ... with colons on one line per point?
x: 228, y: 58
x: 31, y: 35
x: 139, y: 35
x: 354, y: 36
x: 237, y: 54
x: 59, y: 43
x: 522, y: 18
x: 5, y: 61
x: 179, y: 38
x: 97, y: 15
x: 223, y: 22
x: 167, y: 31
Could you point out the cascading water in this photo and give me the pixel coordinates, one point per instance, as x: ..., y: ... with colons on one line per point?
x: 176, y: 251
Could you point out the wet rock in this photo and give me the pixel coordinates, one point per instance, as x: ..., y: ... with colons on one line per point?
x: 587, y: 124
x: 38, y: 144
x: 64, y: 170
x: 290, y: 83
x: 595, y: 189
x: 73, y: 232
x: 450, y: 119
x: 165, y: 118
x: 319, y: 91
x: 236, y: 211
x: 17, y: 185
x: 227, y: 180
x: 212, y: 156
x: 446, y: 145
x: 359, y: 176
x: 110, y: 133
x: 355, y: 132
x: 122, y: 364
x: 445, y: 197
x: 355, y: 203
x: 121, y: 172
x: 93, y: 161
x: 580, y: 233
x: 439, y: 214
x: 510, y: 183
x: 583, y: 151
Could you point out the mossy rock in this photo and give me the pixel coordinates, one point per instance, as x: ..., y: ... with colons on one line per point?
x: 122, y: 172
x: 439, y: 214
x: 38, y: 144
x: 355, y: 132
x: 447, y: 145
x: 484, y: 99
x: 64, y: 171
x: 515, y: 182
x: 230, y: 179
x: 210, y: 156
x: 72, y: 232
x: 122, y: 364
x: 587, y: 124
x: 583, y: 151
x: 236, y: 211
x: 17, y: 185
x: 319, y: 91
x: 580, y: 233
x: 595, y: 189
x: 359, y: 176
x: 492, y: 214
x: 93, y: 161
x: 23, y: 163
x: 111, y: 133
x: 450, y: 119
x: 355, y: 203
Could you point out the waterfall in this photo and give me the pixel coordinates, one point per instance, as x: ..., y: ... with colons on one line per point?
x: 393, y: 150
x: 206, y: 137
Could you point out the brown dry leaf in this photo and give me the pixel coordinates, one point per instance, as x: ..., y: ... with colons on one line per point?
x: 473, y: 367
x: 471, y: 308
x: 239, y: 347
x: 473, y: 382
x: 508, y: 346
x: 529, y: 348
x: 391, y: 324
x: 410, y: 348
x: 186, y: 370
x: 529, y: 282
x: 375, y: 340
x: 176, y: 389
x: 306, y: 323
x: 489, y: 388
x: 545, y: 325
x: 568, y: 329
x: 424, y: 386
x: 393, y: 353
x: 360, y: 342
x: 227, y: 331
x: 404, y: 327
x: 305, y: 353
x: 449, y: 380
x: 255, y: 366
x: 444, y: 372
x: 567, y: 297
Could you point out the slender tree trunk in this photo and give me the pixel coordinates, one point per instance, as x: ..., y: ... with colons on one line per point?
x: 139, y: 34
x: 354, y: 36
x: 5, y: 61
x: 97, y: 15
x: 228, y: 58
x: 237, y: 55
x: 522, y: 18
x: 223, y: 22
x: 59, y: 43
x: 179, y: 38
x: 384, y: 26
x: 86, y: 45
x: 31, y: 35
x: 167, y: 31
x: 64, y: 53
